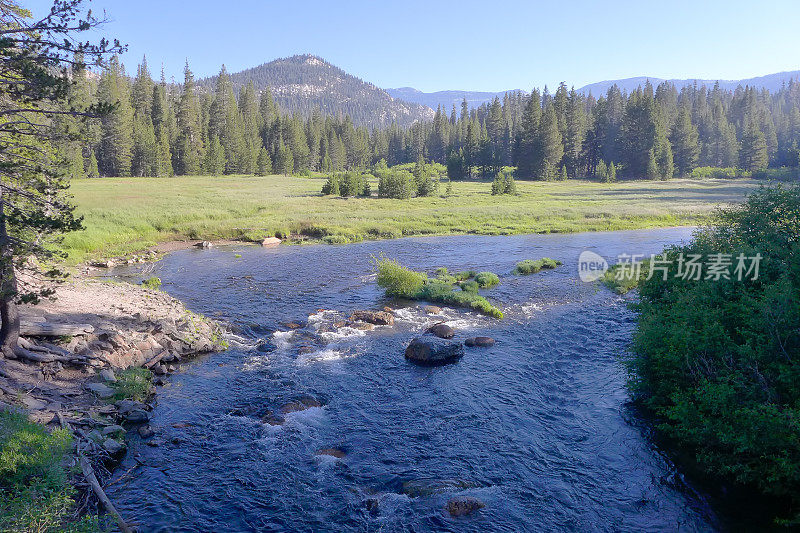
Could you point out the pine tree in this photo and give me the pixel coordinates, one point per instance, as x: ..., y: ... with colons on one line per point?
x: 685, y: 143
x: 264, y: 163
x: 189, y: 149
x: 575, y: 134
x: 753, y: 154
x: 526, y: 157
x: 116, y: 143
x: 34, y: 210
x: 284, y: 161
x: 549, y: 148
x: 214, y: 161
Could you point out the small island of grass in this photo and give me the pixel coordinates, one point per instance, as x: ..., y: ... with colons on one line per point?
x: 531, y: 266
x: 403, y: 282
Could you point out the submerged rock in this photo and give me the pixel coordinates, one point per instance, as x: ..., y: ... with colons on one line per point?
x: 137, y: 416
x: 379, y: 318
x: 482, y: 342
x: 433, y: 351
x: 416, y: 488
x: 463, y: 506
x: 441, y: 330
x: 433, y: 309
x: 333, y: 452
x: 146, y: 431
x: 272, y: 419
x: 115, y: 449
x: 300, y: 405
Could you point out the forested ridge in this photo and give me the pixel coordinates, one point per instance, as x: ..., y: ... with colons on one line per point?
x: 161, y: 129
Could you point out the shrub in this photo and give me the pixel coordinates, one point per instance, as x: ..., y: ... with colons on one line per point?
x: 504, y: 183
x: 716, y: 361
x: 530, y: 266
x: 718, y: 173
x: 427, y: 186
x: 487, y: 280
x: 396, y: 184
x: 331, y: 186
x: 624, y: 282
x: 398, y: 280
x: 35, y: 494
x: 133, y: 384
x: 347, y: 184
x: 152, y: 283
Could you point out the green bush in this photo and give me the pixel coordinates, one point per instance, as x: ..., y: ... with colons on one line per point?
x: 152, y: 283
x: 718, y: 173
x: 396, y: 184
x: 133, y: 384
x: 716, y: 362
x: 504, y: 183
x: 347, y: 184
x: 487, y: 280
x: 398, y: 280
x: 625, y: 281
x: 531, y: 266
x: 35, y: 494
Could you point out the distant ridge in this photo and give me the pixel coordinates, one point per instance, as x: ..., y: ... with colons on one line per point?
x: 771, y: 82
x: 446, y: 99
x: 304, y: 83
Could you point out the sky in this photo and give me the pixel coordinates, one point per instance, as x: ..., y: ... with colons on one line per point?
x: 435, y: 45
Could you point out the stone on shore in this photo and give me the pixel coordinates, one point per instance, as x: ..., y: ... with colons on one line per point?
x: 481, y: 342
x: 108, y: 375
x: 433, y: 351
x: 441, y: 330
x: 115, y: 449
x: 100, y: 389
x: 137, y: 416
x: 270, y: 241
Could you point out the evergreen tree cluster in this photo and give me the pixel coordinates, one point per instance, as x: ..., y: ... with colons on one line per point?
x: 161, y: 129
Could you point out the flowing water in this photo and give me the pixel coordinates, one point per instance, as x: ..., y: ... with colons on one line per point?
x: 537, y: 427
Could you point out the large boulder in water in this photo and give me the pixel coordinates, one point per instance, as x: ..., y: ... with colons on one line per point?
x: 379, y: 318
x: 441, y: 330
x: 433, y: 351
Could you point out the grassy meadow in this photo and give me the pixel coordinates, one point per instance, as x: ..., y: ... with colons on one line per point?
x: 125, y: 215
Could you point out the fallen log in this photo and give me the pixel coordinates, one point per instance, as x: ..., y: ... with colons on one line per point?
x: 155, y: 360
x: 88, y: 473
x: 52, y: 329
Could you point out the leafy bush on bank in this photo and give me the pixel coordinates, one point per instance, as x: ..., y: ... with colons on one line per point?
x: 718, y: 362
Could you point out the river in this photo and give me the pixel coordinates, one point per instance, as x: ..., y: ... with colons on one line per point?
x: 537, y: 427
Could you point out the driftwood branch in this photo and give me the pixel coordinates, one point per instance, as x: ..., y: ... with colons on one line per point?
x: 51, y: 329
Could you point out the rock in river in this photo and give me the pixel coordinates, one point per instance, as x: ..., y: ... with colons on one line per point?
x: 463, y: 506
x: 441, y: 330
x: 379, y: 318
x: 433, y: 351
x: 483, y: 342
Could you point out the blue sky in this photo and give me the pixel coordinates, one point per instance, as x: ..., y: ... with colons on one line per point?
x: 490, y: 45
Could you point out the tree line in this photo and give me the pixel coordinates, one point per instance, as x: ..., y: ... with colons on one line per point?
x: 161, y: 129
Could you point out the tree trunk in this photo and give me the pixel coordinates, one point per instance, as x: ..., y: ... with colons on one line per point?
x: 9, y: 328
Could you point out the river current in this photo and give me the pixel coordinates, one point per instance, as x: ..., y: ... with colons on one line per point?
x: 538, y: 427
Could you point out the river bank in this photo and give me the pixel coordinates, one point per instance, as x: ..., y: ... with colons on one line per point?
x: 92, y: 359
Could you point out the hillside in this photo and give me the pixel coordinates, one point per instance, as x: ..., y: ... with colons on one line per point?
x: 304, y: 83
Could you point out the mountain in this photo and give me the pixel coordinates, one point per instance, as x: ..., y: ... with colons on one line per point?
x: 444, y: 98
x: 771, y: 82
x: 304, y: 83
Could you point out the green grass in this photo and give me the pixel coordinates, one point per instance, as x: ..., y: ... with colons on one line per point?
x: 402, y: 282
x: 125, y: 215
x: 531, y: 266
x: 35, y: 494
x: 623, y: 281
x: 133, y: 384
